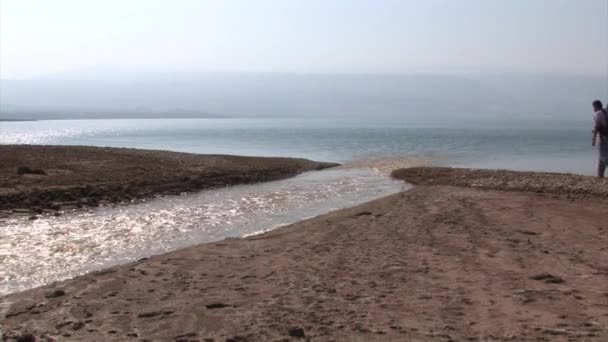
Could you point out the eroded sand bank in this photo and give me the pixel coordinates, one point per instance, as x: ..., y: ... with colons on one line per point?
x: 48, y: 179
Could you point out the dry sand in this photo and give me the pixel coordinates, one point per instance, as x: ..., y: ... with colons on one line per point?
x: 77, y: 176
x: 538, y: 182
x: 436, y: 263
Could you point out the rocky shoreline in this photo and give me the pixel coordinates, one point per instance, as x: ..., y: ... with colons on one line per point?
x: 46, y: 180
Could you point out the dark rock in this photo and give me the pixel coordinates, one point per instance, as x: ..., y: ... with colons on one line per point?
x: 554, y: 280
x: 364, y: 213
x: 216, y: 306
x: 77, y: 326
x: 25, y: 170
x: 149, y: 314
x: 54, y: 293
x: 235, y: 339
x: 26, y: 338
x: 190, y: 334
x: 547, y: 278
x: 296, y: 332
x: 541, y: 276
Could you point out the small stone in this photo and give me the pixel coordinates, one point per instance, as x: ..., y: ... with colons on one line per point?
x: 235, y: 339
x: 547, y: 278
x: 554, y: 280
x: 23, y: 170
x: 216, y: 306
x: 77, y: 325
x: 296, y: 332
x: 190, y: 334
x: 26, y: 338
x: 556, y: 332
x: 149, y: 314
x: 55, y: 293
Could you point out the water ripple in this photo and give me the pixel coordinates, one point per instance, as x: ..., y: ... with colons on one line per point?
x: 33, y: 253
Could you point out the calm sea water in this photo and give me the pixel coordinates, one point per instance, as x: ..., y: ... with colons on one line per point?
x: 34, y: 253
x: 562, y: 147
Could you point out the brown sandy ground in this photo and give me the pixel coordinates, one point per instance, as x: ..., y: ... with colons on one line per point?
x: 436, y: 263
x: 538, y: 182
x: 78, y: 176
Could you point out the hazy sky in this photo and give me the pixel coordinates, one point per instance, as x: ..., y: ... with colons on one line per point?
x: 39, y: 37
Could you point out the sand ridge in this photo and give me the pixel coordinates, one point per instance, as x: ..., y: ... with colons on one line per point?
x: 537, y: 182
x: 72, y: 177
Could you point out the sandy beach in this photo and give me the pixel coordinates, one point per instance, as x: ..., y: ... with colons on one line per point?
x: 435, y: 263
x: 38, y: 180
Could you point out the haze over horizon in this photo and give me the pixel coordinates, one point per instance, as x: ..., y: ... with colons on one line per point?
x: 471, y: 58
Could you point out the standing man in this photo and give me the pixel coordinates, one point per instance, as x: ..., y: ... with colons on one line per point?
x: 601, y: 128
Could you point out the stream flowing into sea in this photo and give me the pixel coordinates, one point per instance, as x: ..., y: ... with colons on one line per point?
x: 34, y: 253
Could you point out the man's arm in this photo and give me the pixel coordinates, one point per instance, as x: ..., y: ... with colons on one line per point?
x: 594, y: 137
x: 595, y: 132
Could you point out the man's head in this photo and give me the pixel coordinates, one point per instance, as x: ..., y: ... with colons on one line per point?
x: 597, y: 105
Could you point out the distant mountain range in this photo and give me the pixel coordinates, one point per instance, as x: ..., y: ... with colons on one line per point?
x: 113, y: 93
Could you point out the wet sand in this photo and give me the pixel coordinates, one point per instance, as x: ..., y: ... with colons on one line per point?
x: 70, y: 177
x: 436, y: 263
